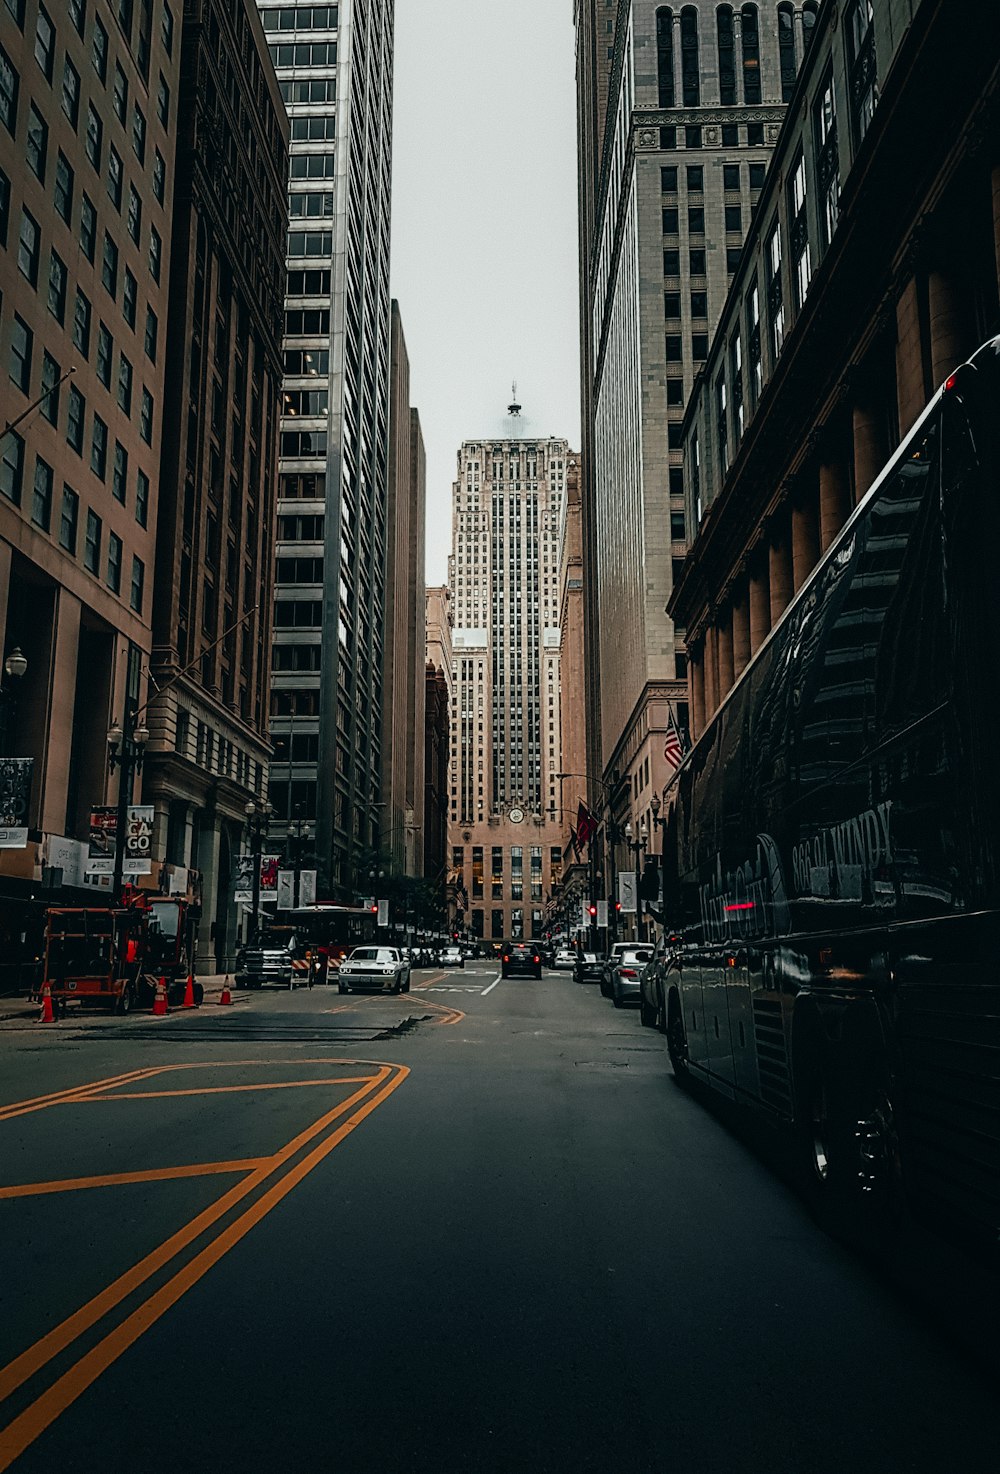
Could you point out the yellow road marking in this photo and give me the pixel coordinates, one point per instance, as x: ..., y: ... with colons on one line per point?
x: 72, y: 1092
x: 123, y: 1179
x: 29, y: 1362
x: 25, y: 1428
x: 228, y: 1089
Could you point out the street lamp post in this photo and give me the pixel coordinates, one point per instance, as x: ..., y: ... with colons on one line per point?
x: 15, y: 668
x: 303, y: 833
x: 639, y: 847
x: 126, y: 749
x: 258, y: 821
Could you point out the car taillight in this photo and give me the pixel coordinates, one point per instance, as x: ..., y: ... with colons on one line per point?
x: 536, y: 959
x: 628, y: 972
x: 506, y: 958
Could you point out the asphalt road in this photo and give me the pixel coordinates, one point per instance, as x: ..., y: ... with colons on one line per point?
x: 476, y: 1228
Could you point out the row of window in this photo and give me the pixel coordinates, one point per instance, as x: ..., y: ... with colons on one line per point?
x: 697, y: 260
x: 671, y: 27
x: 301, y: 18
x: 41, y: 512
x: 695, y: 177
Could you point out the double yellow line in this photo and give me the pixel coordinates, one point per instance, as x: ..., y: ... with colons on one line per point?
x: 277, y: 1175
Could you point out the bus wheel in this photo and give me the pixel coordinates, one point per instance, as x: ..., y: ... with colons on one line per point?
x: 677, y: 1039
x: 125, y: 1000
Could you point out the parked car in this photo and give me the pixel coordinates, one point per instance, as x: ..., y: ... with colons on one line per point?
x: 520, y: 959
x: 565, y: 959
x: 627, y: 972
x: 452, y: 957
x: 270, y: 958
x: 653, y: 986
x: 610, y: 962
x: 383, y: 969
x: 589, y: 968
x: 545, y: 951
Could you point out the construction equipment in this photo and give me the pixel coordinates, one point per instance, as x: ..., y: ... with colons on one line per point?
x: 116, y: 956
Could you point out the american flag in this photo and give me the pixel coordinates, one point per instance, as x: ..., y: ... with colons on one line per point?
x: 673, y: 749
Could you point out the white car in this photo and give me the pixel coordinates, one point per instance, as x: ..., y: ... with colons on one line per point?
x: 565, y: 959
x: 384, y: 969
x: 452, y: 957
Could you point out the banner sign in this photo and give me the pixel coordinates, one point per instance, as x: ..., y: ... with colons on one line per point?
x: 628, y: 892
x: 268, y: 877
x: 602, y: 913
x: 307, y: 888
x: 103, y: 828
x: 383, y: 913
x: 139, y: 840
x: 286, y: 890
x: 244, y: 877
x: 15, y: 794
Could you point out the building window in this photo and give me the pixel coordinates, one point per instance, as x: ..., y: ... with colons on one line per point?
x: 696, y: 219
x: 37, y: 144
x: 81, y: 324
x: 734, y: 220
x: 88, y: 228
x: 64, y: 187
x: 155, y: 253
x: 45, y: 43
x: 477, y: 872
x: 139, y: 139
x: 119, y: 94
x: 146, y: 416
x: 78, y: 14
x: 672, y: 263
x: 119, y: 473
x: 722, y: 425
x: 99, y: 52
x: 751, y: 54
x: 668, y: 179
x: 109, y: 267
x: 134, y: 213
x: 672, y: 304
x: 699, y: 304
x: 690, y: 71
x: 827, y: 159
x: 697, y: 261
x: 863, y: 88
x: 11, y: 466
x: 28, y: 247
x: 129, y: 298
x: 57, y: 287
x: 150, y: 337
x: 496, y: 876
x: 105, y: 354
x: 733, y: 256
x: 4, y: 207
x: 754, y: 345
x: 731, y: 178
x: 163, y: 102
x: 736, y: 383
x: 114, y: 573
x: 138, y: 584
x: 92, y: 544
x: 727, y: 55
x: 95, y: 134
x: 757, y: 173
x: 41, y: 496
x: 9, y: 81
x: 124, y: 384
x: 50, y: 382
x: 692, y: 135
x: 159, y: 176
x: 68, y: 520
x: 21, y: 343
x: 799, y: 231
x: 75, y: 417
x: 775, y: 293
x: 99, y: 448
x: 665, y: 56
x: 142, y: 498
x: 810, y: 10
x: 677, y: 529
x: 786, y: 50
x: 696, y: 178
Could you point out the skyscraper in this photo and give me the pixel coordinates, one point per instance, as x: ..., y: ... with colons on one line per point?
x: 334, y: 65
x: 506, y: 748
x: 678, y: 109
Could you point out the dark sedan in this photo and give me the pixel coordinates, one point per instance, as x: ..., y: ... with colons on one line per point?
x: 520, y: 959
x: 589, y: 968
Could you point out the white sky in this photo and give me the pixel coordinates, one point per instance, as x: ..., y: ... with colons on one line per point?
x: 484, y: 246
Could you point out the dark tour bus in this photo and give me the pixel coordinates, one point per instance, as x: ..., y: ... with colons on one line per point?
x: 833, y: 850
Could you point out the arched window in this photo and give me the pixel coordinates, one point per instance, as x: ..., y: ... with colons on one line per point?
x: 690, y: 78
x: 809, y: 10
x: 727, y: 56
x: 665, y: 55
x: 751, y: 54
x: 786, y: 50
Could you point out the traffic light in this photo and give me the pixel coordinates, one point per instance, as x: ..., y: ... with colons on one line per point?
x: 592, y: 911
x: 373, y: 908
x: 454, y: 936
x: 618, y: 907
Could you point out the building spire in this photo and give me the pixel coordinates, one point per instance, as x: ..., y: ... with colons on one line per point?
x: 514, y: 409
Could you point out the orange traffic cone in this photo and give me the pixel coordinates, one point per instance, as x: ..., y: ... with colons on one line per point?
x: 189, y: 992
x: 47, y: 1015
x: 225, y: 997
x: 160, y: 1006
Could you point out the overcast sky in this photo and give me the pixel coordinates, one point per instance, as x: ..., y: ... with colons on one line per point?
x: 484, y: 226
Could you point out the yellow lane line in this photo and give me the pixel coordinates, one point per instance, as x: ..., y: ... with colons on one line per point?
x: 45, y: 1409
x: 228, y: 1089
x: 122, y: 1179
x: 72, y: 1092
x: 29, y: 1362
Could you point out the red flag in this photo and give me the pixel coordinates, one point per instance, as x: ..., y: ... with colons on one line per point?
x: 586, y: 824
x: 673, y: 749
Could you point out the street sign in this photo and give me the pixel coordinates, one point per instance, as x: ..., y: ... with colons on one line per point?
x: 602, y: 913
x: 628, y: 892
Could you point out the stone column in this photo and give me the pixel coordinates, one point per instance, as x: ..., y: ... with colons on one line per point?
x: 870, y: 450
x: 678, y: 72
x: 834, y: 500
x: 209, y: 839
x: 950, y: 343
x: 780, y: 576
x: 59, y: 720
x: 760, y: 604
x: 697, y: 669
x: 725, y: 649
x: 711, y: 673
x: 741, y: 632
x: 805, y: 538
x: 911, y: 392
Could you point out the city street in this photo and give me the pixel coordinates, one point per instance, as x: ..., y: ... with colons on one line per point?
x: 477, y: 1227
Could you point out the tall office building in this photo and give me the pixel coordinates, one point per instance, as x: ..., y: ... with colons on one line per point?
x: 678, y: 109
x: 334, y: 66
x: 506, y: 748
